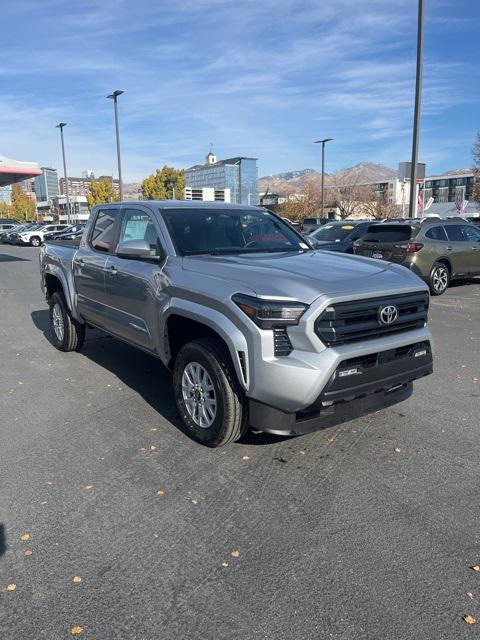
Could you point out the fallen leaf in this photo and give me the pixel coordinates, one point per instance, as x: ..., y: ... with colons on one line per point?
x: 224, y: 564
x: 76, y: 631
x: 153, y: 429
x: 470, y: 595
x: 44, y: 503
x: 397, y: 449
x: 28, y: 552
x: 160, y: 492
x: 194, y: 501
x: 469, y: 619
x: 11, y: 587
x: 77, y: 579
x: 330, y: 439
x: 476, y: 567
x: 235, y: 554
x: 25, y: 537
x: 246, y: 458
x: 88, y: 487
x: 302, y: 452
x: 49, y: 482
x: 153, y: 447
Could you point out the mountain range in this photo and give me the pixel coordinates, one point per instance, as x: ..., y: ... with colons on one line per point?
x: 364, y: 172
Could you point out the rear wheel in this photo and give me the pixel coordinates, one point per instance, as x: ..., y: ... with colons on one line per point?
x: 35, y: 241
x: 439, y: 279
x: 210, y: 400
x: 67, y: 333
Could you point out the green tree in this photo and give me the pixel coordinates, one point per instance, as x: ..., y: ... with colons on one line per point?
x: 22, y: 207
x: 101, y: 192
x: 161, y: 185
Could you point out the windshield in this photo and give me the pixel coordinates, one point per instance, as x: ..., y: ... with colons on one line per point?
x: 229, y: 231
x: 332, y: 232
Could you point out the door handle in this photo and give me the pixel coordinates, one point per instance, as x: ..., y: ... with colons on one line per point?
x: 112, y: 270
x: 448, y: 248
x: 81, y: 262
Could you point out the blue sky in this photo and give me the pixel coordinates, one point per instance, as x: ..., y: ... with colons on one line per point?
x: 262, y: 78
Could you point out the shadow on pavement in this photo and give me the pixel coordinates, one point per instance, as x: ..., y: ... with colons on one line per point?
x: 3, y: 544
x: 4, y: 257
x: 141, y: 372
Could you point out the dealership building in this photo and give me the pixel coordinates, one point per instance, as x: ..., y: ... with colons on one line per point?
x: 12, y: 171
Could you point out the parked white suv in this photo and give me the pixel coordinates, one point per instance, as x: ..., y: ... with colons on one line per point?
x: 35, y: 237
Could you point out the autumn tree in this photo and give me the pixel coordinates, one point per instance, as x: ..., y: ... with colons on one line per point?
x: 476, y: 170
x: 374, y: 205
x: 22, y: 208
x: 345, y: 194
x: 163, y: 183
x: 101, y: 192
x: 291, y: 208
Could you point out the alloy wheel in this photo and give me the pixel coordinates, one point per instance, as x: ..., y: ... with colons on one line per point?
x: 199, y: 395
x: 57, y: 321
x: 440, y: 279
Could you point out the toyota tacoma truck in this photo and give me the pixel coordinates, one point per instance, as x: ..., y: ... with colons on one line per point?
x: 258, y: 328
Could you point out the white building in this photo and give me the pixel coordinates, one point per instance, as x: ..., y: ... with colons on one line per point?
x: 207, y: 194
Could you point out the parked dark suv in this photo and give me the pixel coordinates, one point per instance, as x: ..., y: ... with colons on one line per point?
x: 437, y: 250
x: 339, y: 235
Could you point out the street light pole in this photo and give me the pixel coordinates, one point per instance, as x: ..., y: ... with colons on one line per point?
x: 323, y: 143
x: 60, y: 126
x: 416, y: 118
x: 113, y: 96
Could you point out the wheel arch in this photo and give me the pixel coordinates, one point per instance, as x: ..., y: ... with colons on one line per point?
x: 182, y: 325
x: 54, y: 279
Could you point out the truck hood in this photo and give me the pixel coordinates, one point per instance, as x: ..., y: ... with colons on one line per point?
x: 305, y: 276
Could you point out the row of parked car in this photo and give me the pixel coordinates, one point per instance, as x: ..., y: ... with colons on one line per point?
x: 438, y: 250
x: 34, y: 234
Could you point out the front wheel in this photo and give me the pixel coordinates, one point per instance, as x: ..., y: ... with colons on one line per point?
x: 439, y: 279
x: 67, y: 333
x: 210, y: 401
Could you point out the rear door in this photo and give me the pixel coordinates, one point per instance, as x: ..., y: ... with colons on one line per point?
x: 459, y: 249
x: 89, y: 265
x: 384, y: 242
x: 473, y: 239
x: 131, y: 285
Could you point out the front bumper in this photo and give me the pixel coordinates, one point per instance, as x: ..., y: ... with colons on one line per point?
x: 358, y: 386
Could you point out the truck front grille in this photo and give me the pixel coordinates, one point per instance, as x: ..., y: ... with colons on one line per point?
x: 345, y: 322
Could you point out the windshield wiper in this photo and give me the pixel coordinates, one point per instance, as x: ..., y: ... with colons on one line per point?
x: 223, y: 252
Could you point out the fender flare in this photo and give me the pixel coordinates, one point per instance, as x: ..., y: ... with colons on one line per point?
x: 218, y: 322
x: 67, y: 287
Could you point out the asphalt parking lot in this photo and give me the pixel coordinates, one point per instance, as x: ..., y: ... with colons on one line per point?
x: 366, y: 530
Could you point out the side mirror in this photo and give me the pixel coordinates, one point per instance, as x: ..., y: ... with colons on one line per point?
x: 136, y: 250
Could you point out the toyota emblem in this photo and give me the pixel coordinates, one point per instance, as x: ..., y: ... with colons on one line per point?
x: 387, y: 314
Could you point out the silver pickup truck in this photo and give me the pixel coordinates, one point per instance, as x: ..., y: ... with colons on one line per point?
x: 258, y: 328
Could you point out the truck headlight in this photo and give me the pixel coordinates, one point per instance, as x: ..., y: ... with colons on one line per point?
x: 268, y: 314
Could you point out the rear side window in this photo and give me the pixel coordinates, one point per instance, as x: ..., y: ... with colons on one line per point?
x: 102, y: 232
x: 389, y: 233
x: 437, y: 233
x: 455, y: 233
x: 310, y: 221
x: 472, y: 234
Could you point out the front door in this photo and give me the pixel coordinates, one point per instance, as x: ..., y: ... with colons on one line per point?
x: 458, y: 249
x: 131, y: 285
x: 89, y: 267
x: 473, y: 240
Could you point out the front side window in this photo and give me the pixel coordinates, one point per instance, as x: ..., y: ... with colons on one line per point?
x: 472, y: 233
x: 137, y: 225
x: 229, y: 231
x: 437, y: 233
x: 102, y: 232
x: 455, y: 233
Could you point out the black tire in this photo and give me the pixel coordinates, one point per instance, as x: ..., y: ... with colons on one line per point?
x: 73, y: 332
x: 35, y: 241
x: 231, y: 414
x: 439, y: 279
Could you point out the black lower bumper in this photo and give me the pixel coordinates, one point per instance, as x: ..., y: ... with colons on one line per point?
x: 381, y: 380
